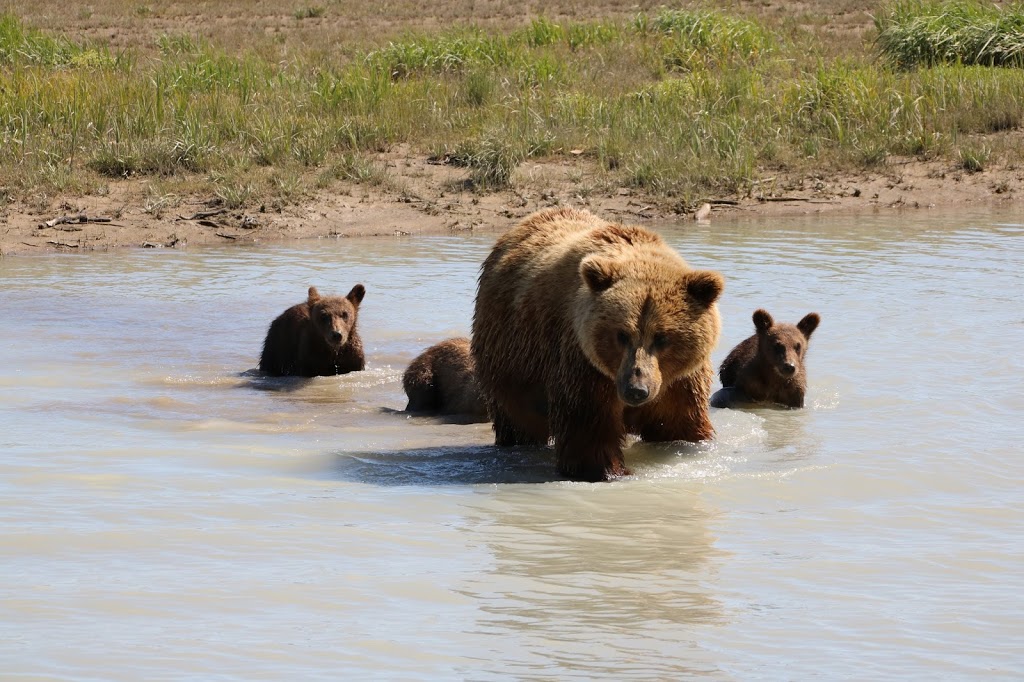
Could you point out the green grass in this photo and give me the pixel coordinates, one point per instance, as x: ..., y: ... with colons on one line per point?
x: 926, y: 33
x: 21, y: 46
x: 678, y: 104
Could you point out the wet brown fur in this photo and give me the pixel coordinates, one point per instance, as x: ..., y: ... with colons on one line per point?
x: 586, y: 331
x: 768, y: 367
x: 441, y: 381
x: 315, y: 338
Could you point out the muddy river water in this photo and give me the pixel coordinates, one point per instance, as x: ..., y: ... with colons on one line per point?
x: 165, y: 515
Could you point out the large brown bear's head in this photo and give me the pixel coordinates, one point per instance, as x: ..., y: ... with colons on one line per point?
x: 334, y: 317
x: 644, y: 323
x: 783, y: 346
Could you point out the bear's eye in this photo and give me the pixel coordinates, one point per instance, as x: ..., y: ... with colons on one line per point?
x: 798, y: 347
x: 623, y: 338
x: 779, y: 347
x: 660, y: 341
x: 325, y: 317
x: 344, y: 316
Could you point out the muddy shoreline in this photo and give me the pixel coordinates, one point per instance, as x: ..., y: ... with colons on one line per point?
x: 430, y: 199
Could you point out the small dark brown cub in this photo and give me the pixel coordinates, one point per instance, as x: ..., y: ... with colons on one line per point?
x: 441, y: 380
x: 767, y: 367
x: 315, y: 338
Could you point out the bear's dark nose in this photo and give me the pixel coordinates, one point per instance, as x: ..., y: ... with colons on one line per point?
x: 635, y: 395
x: 336, y: 337
x: 788, y: 368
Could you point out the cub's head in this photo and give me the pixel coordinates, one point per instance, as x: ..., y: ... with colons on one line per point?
x: 646, y: 323
x: 334, y: 317
x: 783, y: 346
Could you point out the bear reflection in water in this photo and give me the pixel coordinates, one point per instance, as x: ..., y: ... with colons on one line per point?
x: 585, y: 331
x: 767, y: 367
x: 315, y: 338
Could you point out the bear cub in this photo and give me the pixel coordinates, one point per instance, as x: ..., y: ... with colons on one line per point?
x: 441, y: 381
x: 768, y: 367
x: 315, y: 338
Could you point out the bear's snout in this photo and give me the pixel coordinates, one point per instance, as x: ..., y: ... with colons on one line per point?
x: 639, y: 379
x: 787, y: 369
x: 636, y: 395
x: 336, y: 337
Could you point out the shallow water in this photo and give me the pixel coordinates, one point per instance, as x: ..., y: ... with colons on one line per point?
x: 167, y: 515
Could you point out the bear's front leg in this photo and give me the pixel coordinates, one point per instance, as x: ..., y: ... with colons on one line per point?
x: 588, y: 433
x: 520, y: 416
x: 508, y: 432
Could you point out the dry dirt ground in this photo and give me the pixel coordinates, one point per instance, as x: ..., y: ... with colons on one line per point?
x: 428, y: 198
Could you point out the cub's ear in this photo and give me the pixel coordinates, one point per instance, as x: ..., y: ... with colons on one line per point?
x: 314, y: 295
x: 762, y: 320
x: 809, y: 324
x: 356, y: 295
x: 598, y: 273
x: 704, y: 286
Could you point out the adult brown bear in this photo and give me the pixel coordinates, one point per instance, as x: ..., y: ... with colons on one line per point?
x: 585, y: 331
x: 315, y: 338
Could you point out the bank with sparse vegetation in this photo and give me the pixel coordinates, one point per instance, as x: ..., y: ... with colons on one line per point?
x: 674, y: 103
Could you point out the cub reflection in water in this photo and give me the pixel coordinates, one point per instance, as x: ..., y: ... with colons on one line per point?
x: 767, y: 367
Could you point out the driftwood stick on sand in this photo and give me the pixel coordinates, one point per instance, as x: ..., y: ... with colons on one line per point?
x: 203, y: 215
x: 70, y: 219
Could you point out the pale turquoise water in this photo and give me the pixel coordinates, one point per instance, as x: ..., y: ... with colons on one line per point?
x: 164, y: 516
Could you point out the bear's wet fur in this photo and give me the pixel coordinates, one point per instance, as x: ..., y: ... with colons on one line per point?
x: 316, y: 338
x: 585, y: 331
x: 441, y: 381
x: 769, y: 366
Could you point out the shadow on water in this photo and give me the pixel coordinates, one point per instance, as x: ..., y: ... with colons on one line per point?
x: 255, y: 379
x: 486, y: 464
x: 427, y: 418
x: 445, y: 465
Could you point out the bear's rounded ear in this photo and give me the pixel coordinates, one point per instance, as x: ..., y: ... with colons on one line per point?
x: 762, y: 320
x: 809, y: 324
x: 356, y: 295
x: 314, y: 295
x: 704, y: 286
x: 598, y: 273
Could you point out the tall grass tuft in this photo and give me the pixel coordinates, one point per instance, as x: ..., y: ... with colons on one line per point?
x: 928, y: 32
x: 453, y: 51
x: 21, y: 46
x: 699, y: 38
x: 491, y: 158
